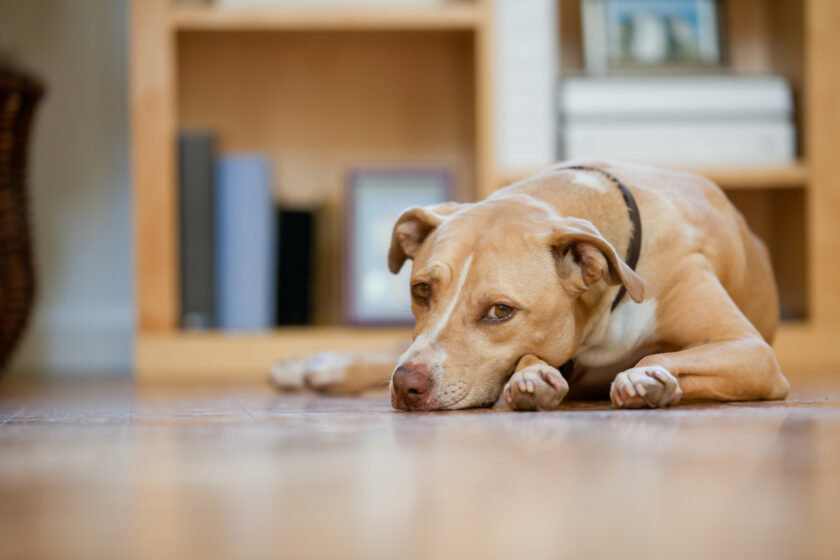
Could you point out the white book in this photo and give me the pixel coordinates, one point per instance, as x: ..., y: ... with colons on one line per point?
x: 673, y: 96
x: 689, y: 143
x: 525, y: 74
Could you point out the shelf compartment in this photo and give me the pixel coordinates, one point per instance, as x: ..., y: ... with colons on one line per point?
x: 463, y: 16
x: 320, y: 104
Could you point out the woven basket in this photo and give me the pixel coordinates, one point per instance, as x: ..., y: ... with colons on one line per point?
x: 19, y: 96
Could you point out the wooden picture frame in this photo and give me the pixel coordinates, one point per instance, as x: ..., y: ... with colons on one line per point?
x: 375, y: 198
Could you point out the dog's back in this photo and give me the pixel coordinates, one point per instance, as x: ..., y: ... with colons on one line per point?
x: 682, y: 214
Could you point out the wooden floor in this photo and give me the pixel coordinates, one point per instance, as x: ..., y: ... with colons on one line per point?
x: 94, y: 469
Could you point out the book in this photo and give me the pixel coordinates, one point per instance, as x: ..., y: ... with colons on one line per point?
x: 196, y: 231
x: 295, y: 244
x: 657, y: 97
x: 245, y: 243
x: 525, y: 82
x: 685, y: 143
x: 678, y: 120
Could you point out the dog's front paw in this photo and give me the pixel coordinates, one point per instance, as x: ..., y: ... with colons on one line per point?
x: 539, y: 386
x: 639, y: 387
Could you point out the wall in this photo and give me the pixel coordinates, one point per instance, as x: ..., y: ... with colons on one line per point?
x: 79, y: 183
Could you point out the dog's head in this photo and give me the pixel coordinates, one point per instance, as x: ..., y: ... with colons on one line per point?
x: 490, y: 283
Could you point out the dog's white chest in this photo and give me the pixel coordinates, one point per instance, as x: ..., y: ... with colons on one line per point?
x: 631, y: 326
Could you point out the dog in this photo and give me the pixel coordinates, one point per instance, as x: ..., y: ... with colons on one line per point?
x: 592, y: 278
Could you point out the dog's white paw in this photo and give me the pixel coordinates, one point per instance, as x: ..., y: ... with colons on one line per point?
x: 327, y: 370
x: 288, y: 374
x: 651, y: 386
x: 539, y: 386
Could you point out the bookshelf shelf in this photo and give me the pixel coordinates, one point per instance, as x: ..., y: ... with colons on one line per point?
x: 464, y: 16
x: 218, y: 355
x: 771, y: 177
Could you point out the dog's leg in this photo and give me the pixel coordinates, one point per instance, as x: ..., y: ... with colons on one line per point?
x: 722, y: 356
x: 338, y: 372
x: 535, y: 385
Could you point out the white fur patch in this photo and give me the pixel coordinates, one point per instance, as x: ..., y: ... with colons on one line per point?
x: 424, y: 348
x: 631, y: 326
x: 288, y: 374
x: 589, y: 180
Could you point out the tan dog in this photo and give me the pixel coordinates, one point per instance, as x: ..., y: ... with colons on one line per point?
x: 507, y: 290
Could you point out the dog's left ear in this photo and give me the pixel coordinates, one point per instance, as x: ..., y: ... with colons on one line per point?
x: 584, y: 257
x: 412, y: 228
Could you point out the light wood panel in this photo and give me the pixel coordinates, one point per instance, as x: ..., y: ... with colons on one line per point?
x: 823, y: 142
x: 153, y: 171
x: 461, y: 15
x: 320, y: 104
x: 246, y: 356
x: 485, y: 102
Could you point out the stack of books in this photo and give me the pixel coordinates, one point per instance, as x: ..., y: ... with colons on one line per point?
x: 714, y: 120
x: 245, y: 264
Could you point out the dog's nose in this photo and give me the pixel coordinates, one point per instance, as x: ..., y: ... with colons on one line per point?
x: 411, y: 385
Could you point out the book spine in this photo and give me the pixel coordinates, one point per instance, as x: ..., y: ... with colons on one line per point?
x: 294, y: 266
x: 525, y: 82
x: 245, y: 243
x: 689, y: 143
x: 674, y: 97
x: 195, y: 210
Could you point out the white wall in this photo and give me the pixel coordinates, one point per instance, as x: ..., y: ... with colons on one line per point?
x: 79, y: 183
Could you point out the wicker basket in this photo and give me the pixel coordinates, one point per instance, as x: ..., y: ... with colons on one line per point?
x: 19, y: 96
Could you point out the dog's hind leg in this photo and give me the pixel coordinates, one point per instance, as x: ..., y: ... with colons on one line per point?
x: 338, y: 371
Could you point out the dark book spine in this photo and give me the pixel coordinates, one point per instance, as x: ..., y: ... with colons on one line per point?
x: 294, y: 270
x: 195, y: 187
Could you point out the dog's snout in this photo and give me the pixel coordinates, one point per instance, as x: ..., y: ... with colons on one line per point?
x: 411, y: 385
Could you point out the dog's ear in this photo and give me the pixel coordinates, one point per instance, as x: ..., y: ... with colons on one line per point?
x: 584, y: 257
x: 412, y: 228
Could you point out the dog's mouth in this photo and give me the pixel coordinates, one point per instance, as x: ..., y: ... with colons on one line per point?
x: 452, y: 401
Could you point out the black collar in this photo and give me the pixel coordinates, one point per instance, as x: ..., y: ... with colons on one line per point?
x: 635, y: 248
x: 633, y: 251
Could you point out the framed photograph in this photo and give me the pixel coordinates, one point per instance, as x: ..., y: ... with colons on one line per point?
x: 375, y: 199
x: 627, y: 35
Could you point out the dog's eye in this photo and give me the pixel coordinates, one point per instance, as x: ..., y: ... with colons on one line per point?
x: 499, y: 312
x: 421, y: 291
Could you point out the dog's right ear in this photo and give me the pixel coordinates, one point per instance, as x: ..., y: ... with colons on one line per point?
x: 412, y: 228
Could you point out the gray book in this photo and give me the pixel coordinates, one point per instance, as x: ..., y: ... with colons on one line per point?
x: 196, y: 195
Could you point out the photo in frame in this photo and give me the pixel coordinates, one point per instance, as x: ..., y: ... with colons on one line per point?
x: 650, y: 35
x: 375, y: 198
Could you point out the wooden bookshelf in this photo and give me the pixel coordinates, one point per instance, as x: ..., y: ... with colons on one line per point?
x: 322, y: 90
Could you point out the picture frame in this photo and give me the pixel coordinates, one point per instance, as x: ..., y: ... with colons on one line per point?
x: 375, y: 198
x: 651, y: 35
